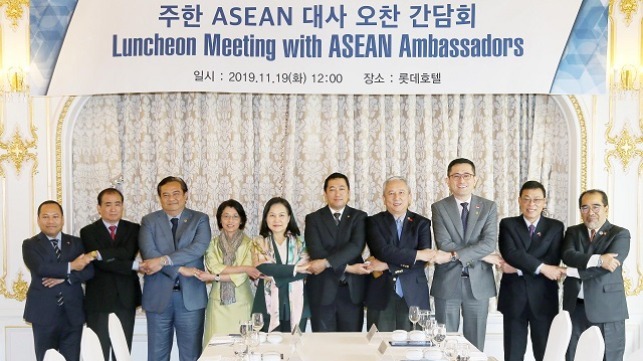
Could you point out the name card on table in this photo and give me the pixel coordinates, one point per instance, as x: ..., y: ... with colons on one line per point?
x: 382, y: 348
x: 371, y: 332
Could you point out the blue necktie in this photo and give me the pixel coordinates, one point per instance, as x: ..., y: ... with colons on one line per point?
x: 175, y: 225
x: 532, y: 229
x: 398, y: 284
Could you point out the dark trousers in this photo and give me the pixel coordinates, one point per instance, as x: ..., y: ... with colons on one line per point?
x: 99, y: 321
x: 515, y: 334
x: 613, y: 334
x: 340, y: 316
x: 394, y: 317
x: 61, y: 336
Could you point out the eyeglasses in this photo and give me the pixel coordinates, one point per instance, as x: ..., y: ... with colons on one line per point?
x: 465, y: 176
x: 230, y: 216
x: 594, y: 207
x: 532, y: 200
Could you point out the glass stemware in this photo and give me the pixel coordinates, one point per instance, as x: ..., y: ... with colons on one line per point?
x: 439, y: 333
x: 257, y: 321
x: 414, y: 315
x: 424, y: 320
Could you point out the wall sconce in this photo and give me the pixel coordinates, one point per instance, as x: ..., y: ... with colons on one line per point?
x: 626, y: 80
x: 17, y: 80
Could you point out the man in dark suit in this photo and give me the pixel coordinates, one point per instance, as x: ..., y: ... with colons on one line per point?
x: 115, y: 287
x: 465, y: 229
x: 58, y: 267
x: 335, y: 238
x: 399, y: 241
x: 594, y: 292
x: 530, y: 245
x: 173, y: 241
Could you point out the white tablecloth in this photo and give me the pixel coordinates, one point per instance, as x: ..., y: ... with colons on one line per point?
x: 332, y: 346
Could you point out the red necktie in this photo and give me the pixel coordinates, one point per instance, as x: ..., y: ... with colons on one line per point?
x: 112, y: 232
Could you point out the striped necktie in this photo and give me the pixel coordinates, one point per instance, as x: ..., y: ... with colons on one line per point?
x: 59, y: 297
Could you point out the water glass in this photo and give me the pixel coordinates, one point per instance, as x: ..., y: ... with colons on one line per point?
x: 451, y: 349
x: 439, y: 333
x: 257, y: 321
x: 463, y: 352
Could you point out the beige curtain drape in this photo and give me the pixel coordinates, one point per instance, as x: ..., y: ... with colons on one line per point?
x: 252, y: 147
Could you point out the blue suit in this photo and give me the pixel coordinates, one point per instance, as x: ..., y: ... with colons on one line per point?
x: 168, y: 305
x: 54, y: 326
x: 399, y: 254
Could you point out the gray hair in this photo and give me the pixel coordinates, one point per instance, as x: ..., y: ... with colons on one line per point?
x: 395, y: 178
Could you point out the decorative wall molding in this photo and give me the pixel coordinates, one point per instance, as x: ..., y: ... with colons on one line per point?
x: 59, y: 135
x: 627, y: 8
x: 17, y: 151
x: 626, y: 148
x: 18, y: 290
x: 583, y: 141
x: 14, y: 10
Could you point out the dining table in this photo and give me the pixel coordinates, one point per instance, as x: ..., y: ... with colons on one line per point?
x: 327, y: 346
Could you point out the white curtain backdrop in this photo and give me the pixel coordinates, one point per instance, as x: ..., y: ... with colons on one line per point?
x: 252, y: 147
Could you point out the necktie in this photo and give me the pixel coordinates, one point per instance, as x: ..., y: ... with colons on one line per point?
x: 59, y: 297
x: 592, y: 234
x: 532, y: 228
x: 175, y: 225
x: 464, y: 217
x: 112, y: 232
x: 54, y: 243
x: 398, y: 284
x: 336, y: 215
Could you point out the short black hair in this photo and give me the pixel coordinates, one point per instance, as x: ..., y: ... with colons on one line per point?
x: 50, y: 202
x: 533, y: 185
x: 292, y: 227
x: 237, y: 207
x: 592, y: 191
x: 108, y: 191
x: 170, y: 179
x: 461, y: 161
x: 336, y: 176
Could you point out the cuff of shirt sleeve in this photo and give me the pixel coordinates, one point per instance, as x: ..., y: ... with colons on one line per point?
x: 135, y: 265
x: 594, y: 261
x: 572, y: 272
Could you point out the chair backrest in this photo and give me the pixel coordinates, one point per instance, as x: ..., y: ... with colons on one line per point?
x: 117, y: 337
x: 53, y: 355
x: 90, y: 348
x: 560, y: 333
x: 591, y: 346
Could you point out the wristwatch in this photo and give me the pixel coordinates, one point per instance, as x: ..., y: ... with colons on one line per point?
x: 217, y: 278
x: 453, y: 257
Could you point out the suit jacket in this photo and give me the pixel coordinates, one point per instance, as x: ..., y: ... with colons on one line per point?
x: 115, y: 285
x: 40, y: 257
x: 480, y: 240
x: 526, y: 254
x: 604, y: 291
x: 399, y: 254
x: 155, y: 240
x: 340, y: 245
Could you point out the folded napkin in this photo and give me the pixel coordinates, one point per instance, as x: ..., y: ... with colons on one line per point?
x: 221, y: 340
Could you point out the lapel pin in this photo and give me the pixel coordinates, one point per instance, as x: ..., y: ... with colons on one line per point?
x: 601, y: 233
x: 409, y: 219
x: 538, y: 234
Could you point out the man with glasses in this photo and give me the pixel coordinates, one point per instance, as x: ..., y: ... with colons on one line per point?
x: 594, y: 293
x: 465, y: 229
x: 530, y: 245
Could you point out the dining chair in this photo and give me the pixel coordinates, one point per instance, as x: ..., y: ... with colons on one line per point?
x: 560, y: 332
x: 591, y: 346
x: 53, y: 355
x: 90, y: 348
x: 117, y: 337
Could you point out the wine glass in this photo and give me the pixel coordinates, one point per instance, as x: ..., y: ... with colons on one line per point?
x: 414, y: 315
x: 257, y: 321
x: 451, y: 349
x: 244, y: 329
x: 430, y: 325
x: 439, y: 333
